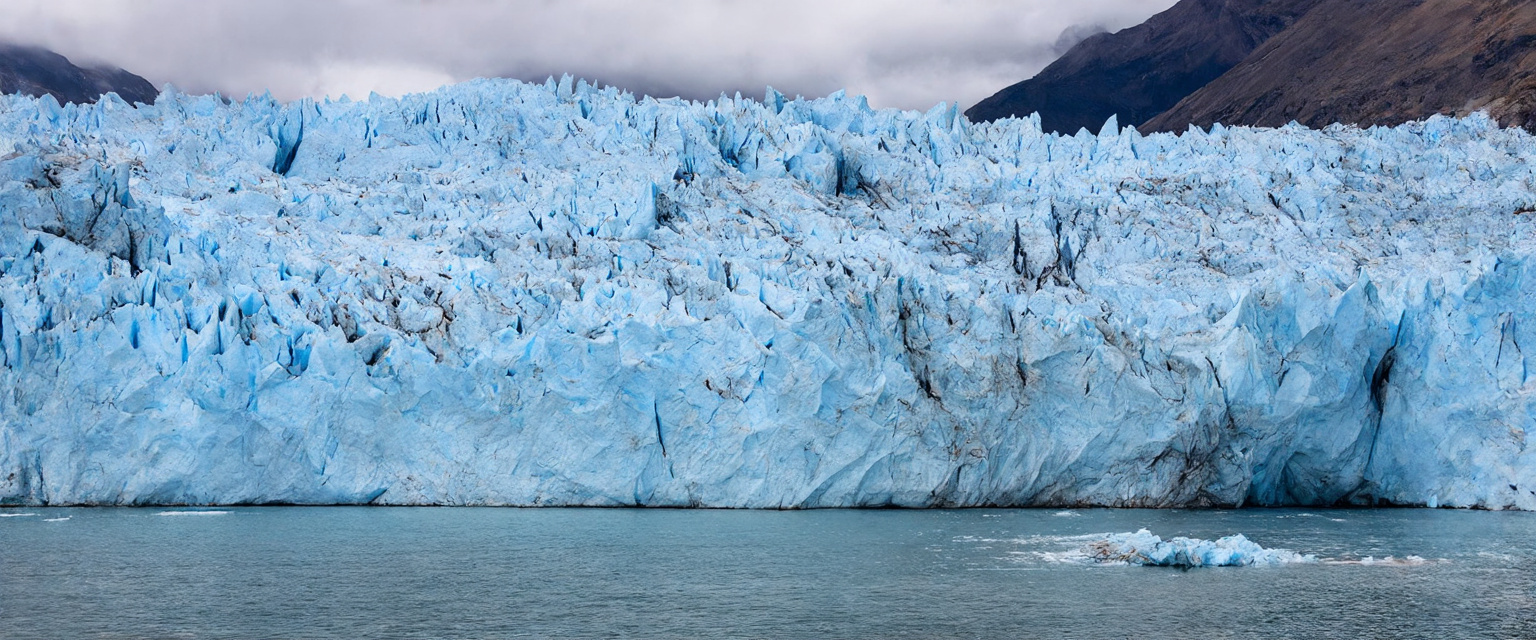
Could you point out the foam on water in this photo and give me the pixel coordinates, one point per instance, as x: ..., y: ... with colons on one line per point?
x: 1388, y: 561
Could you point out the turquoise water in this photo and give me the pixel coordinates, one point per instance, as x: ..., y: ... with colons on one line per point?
x: 495, y: 573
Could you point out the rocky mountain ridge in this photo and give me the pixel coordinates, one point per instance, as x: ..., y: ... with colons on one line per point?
x: 1271, y: 62
x: 35, y: 71
x: 1379, y: 62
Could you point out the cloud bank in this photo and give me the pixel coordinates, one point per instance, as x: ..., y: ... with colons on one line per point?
x: 901, y: 53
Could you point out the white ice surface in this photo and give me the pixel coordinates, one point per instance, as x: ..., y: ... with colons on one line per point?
x: 502, y: 293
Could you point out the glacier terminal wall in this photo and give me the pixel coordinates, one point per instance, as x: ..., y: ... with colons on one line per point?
x: 557, y: 294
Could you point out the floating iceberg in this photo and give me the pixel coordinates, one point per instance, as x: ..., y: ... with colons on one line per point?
x: 1143, y: 548
x: 558, y: 294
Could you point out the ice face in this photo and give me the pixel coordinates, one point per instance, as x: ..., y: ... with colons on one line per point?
x: 503, y: 293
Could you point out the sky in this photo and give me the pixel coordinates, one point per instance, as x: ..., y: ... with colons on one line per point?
x: 909, y: 54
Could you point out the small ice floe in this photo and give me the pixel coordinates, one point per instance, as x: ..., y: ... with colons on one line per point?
x: 1066, y: 514
x: 16, y: 515
x: 193, y: 513
x: 1143, y: 548
x: 56, y: 519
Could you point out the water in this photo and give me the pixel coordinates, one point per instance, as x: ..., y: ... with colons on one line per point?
x: 387, y: 572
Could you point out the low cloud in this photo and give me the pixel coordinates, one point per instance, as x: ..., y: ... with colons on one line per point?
x: 901, y: 53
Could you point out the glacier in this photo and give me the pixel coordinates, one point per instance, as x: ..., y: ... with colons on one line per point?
x: 502, y: 293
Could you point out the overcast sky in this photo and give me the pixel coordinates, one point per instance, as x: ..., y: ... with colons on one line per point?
x: 901, y: 53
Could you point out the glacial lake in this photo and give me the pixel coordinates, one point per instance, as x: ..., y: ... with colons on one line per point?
x: 331, y: 572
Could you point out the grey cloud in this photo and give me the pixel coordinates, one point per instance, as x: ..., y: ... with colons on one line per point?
x: 901, y: 53
x: 1075, y: 34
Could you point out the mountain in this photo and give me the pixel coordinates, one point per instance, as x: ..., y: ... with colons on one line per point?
x: 35, y: 71
x: 505, y: 293
x: 1142, y: 71
x: 1271, y: 62
x: 1371, y: 62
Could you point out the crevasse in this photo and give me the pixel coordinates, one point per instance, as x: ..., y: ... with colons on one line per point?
x: 522, y: 294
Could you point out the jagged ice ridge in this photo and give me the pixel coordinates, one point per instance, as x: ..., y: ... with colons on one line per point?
x: 523, y: 294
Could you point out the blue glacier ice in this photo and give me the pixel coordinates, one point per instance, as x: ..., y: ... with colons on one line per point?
x: 1144, y: 548
x: 559, y: 294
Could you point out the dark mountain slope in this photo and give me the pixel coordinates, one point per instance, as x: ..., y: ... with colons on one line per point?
x: 35, y: 71
x: 1379, y: 62
x: 1140, y: 72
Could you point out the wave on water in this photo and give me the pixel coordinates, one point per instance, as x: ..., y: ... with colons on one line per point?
x: 1308, y: 515
x: 16, y: 515
x: 56, y: 519
x: 1388, y: 561
x: 1033, y: 539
